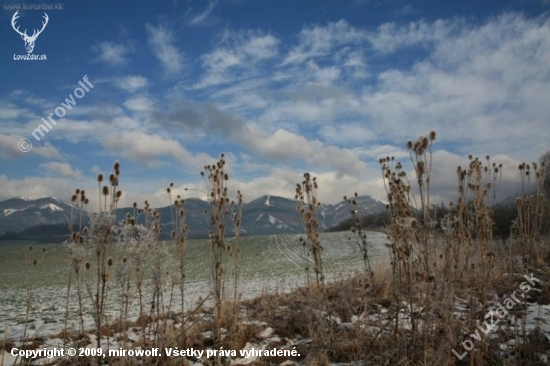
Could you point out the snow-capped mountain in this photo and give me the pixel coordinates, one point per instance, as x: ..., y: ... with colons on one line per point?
x: 17, y: 214
x: 263, y: 216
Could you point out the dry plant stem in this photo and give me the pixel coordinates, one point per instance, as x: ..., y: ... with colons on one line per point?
x: 67, y: 302
x: 410, y: 235
x: 307, y: 205
x: 179, y: 236
x: 77, y: 250
x: 306, y: 196
x: 359, y: 234
x: 30, y: 272
x: 527, y: 227
x: 4, y: 343
x: 100, y: 236
x: 216, y: 180
x: 236, y: 218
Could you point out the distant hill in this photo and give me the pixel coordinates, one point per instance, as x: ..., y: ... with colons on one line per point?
x: 47, y: 218
x: 18, y: 214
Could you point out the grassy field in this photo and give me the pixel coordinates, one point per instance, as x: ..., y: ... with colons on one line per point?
x: 272, y: 263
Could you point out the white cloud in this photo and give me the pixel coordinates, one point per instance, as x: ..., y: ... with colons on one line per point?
x: 285, y: 146
x: 392, y: 36
x: 139, y: 104
x: 317, y: 41
x: 347, y: 133
x: 148, y: 149
x: 237, y: 55
x: 111, y: 53
x: 309, y: 103
x: 9, y: 110
x: 205, y: 14
x: 131, y: 83
x: 162, y: 42
x: 9, y: 148
x: 60, y: 170
x: 36, y: 187
x: 374, y: 152
x: 481, y: 88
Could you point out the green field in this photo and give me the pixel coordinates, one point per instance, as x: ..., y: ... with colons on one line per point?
x: 269, y: 263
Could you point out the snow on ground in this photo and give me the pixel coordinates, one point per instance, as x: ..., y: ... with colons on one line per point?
x: 276, y: 266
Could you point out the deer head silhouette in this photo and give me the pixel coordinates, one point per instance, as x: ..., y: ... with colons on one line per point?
x: 29, y: 41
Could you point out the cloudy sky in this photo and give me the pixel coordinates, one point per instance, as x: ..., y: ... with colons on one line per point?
x: 280, y: 86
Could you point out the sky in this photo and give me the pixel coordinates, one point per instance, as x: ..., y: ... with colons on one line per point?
x: 281, y: 87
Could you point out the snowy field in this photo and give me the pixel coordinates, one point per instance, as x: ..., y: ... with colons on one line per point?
x: 269, y: 263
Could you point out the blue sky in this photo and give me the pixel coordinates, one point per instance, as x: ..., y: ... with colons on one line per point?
x: 281, y: 87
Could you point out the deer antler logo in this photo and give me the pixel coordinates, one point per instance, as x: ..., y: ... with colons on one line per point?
x: 29, y: 41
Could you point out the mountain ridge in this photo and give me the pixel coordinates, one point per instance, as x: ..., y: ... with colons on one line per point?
x: 265, y: 215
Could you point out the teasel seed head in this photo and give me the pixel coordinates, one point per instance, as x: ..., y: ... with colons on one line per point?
x: 116, y: 166
x: 424, y: 142
x: 35, y: 262
x: 432, y: 135
x: 87, y: 266
x: 409, y: 145
x: 110, y: 262
x: 105, y: 190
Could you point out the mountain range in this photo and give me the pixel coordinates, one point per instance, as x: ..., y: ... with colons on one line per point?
x: 48, y: 217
